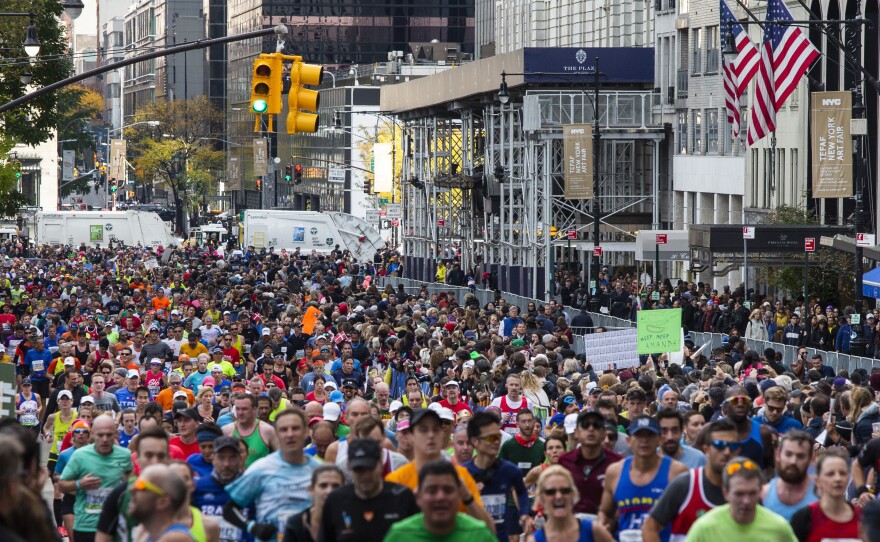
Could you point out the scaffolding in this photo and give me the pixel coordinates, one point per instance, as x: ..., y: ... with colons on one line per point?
x: 487, y: 180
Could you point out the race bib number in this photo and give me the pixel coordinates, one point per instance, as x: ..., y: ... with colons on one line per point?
x: 300, y: 353
x: 95, y: 499
x: 39, y: 366
x: 524, y: 465
x: 495, y: 506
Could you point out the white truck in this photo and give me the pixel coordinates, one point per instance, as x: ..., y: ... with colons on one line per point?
x: 310, y: 230
x: 129, y: 228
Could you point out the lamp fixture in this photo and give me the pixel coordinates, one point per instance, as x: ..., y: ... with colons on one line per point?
x: 730, y: 52
x: 73, y: 8
x: 26, y: 78
x: 31, y: 40
x: 503, y: 94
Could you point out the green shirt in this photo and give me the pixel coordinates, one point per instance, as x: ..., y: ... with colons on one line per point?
x: 524, y: 458
x: 467, y: 529
x: 717, y: 526
x: 110, y: 468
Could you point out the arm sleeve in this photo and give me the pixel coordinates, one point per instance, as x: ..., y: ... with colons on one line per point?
x: 800, y: 523
x: 666, y: 509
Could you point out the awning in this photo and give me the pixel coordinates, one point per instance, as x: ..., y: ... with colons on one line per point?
x: 871, y: 283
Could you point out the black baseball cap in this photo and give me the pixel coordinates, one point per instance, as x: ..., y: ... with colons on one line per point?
x: 363, y: 453
x: 420, y: 414
x: 226, y: 442
x: 187, y: 412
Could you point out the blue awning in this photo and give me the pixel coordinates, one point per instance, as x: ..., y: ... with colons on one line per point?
x: 871, y: 283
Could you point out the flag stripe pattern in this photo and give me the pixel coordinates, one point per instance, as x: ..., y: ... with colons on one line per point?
x: 786, y: 53
x: 738, y: 73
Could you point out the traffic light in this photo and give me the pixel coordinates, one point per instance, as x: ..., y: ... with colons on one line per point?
x: 368, y: 186
x: 298, y: 174
x: 553, y: 232
x: 288, y: 173
x: 259, y: 185
x: 301, y: 100
x: 113, y: 186
x: 266, y: 87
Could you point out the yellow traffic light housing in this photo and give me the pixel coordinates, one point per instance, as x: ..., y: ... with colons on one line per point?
x: 266, y: 87
x: 302, y: 100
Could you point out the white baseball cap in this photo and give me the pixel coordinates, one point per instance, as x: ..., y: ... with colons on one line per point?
x: 86, y: 399
x: 331, y: 412
x: 133, y: 373
x: 69, y: 361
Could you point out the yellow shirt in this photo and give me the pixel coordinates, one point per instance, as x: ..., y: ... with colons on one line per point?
x: 409, y: 477
x: 193, y: 353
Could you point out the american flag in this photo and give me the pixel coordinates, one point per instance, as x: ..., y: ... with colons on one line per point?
x: 786, y: 54
x: 740, y: 71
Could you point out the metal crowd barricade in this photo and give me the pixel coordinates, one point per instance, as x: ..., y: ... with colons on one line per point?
x: 835, y: 360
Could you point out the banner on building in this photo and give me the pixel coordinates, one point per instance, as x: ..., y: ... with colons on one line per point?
x: 233, y: 173
x: 577, y: 142
x: 117, y: 159
x: 67, y: 159
x: 831, y: 144
x: 261, y: 158
x: 383, y: 167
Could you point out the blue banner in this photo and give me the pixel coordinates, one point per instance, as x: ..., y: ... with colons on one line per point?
x: 617, y: 65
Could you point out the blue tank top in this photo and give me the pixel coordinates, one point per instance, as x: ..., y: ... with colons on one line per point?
x: 634, y: 502
x: 773, y: 503
x: 753, y: 447
x: 586, y: 534
x: 177, y: 527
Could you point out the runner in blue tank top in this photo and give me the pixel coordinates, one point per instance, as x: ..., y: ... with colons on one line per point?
x: 756, y: 439
x: 635, y: 484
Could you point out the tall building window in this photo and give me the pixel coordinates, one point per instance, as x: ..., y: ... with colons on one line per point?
x: 682, y: 132
x: 698, y: 132
x: 697, y: 61
x: 713, y: 51
x: 712, y: 131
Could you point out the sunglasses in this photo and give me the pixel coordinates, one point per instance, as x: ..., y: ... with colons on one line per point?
x: 142, y: 485
x: 551, y: 491
x: 725, y: 444
x: 586, y: 424
x: 733, y: 468
x: 81, y: 431
x: 739, y: 400
x: 491, y: 439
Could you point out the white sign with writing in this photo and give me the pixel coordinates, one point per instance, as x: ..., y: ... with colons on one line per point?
x: 612, y: 350
x: 336, y: 175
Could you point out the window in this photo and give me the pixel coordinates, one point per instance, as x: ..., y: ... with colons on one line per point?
x: 712, y: 131
x: 755, y: 171
x: 698, y: 132
x: 697, y: 60
x: 765, y: 185
x: 713, y: 50
x: 781, y: 180
x: 682, y: 132
x: 683, y: 7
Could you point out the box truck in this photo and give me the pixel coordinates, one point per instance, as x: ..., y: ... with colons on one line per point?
x: 310, y: 230
x: 129, y: 228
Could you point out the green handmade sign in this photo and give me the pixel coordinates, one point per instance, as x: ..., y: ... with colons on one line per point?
x: 659, y: 331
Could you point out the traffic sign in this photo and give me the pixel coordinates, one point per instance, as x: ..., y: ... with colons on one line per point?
x: 662, y: 239
x: 597, y: 252
x: 748, y: 232
x: 336, y: 175
x: 372, y: 217
x: 395, y: 222
x: 382, y: 213
x: 810, y: 244
x: 572, y: 234
x: 866, y: 239
x: 393, y: 210
x: 441, y: 222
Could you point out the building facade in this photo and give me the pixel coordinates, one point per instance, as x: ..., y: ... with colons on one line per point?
x: 338, y: 35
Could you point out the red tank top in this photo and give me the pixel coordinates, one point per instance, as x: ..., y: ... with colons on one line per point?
x: 824, y: 528
x: 511, y: 422
x: 695, y: 505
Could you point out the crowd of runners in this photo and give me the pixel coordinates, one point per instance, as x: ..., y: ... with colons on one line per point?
x: 287, y: 396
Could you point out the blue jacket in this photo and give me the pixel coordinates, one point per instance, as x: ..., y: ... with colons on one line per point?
x: 844, y: 335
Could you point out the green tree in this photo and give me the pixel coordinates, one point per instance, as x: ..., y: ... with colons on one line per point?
x: 35, y: 122
x: 177, y: 153
x: 830, y: 276
x: 11, y: 200
x: 80, y: 108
